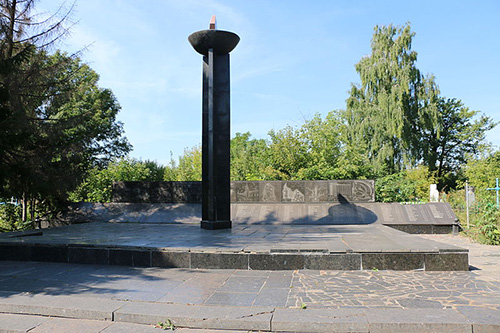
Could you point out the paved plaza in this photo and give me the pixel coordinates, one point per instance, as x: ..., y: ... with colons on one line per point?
x: 95, y: 298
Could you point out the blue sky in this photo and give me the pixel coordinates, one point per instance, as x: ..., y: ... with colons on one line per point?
x: 295, y: 59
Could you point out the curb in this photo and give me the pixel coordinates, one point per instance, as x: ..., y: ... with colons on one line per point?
x: 463, y: 319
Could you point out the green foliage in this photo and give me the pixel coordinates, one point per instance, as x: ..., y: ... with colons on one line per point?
x: 392, y: 91
x: 249, y: 158
x: 58, y: 122
x: 288, y: 152
x: 97, y: 186
x: 484, y: 219
x: 405, y: 186
x: 188, y: 169
x: 395, y: 188
x: 456, y: 136
x: 481, y: 172
x: 167, y: 325
x: 488, y: 223
x: 422, y: 179
x: 10, y: 217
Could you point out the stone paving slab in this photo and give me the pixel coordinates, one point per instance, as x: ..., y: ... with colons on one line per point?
x: 483, y: 320
x: 211, y: 317
x: 417, y: 320
x: 60, y: 306
x: 20, y: 323
x: 71, y: 325
x: 320, y: 320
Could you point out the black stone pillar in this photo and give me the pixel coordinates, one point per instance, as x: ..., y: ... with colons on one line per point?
x: 215, y: 46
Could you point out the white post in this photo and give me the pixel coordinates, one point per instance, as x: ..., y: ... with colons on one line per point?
x: 467, y: 201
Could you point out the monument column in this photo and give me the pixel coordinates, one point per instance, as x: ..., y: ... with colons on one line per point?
x: 215, y: 46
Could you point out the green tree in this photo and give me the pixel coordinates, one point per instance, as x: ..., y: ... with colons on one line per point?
x: 72, y: 129
x: 323, y: 145
x: 456, y: 136
x: 249, y: 157
x: 58, y: 122
x: 97, y: 186
x: 394, y: 104
x: 188, y: 168
x: 482, y: 171
x: 288, y: 153
x: 395, y: 188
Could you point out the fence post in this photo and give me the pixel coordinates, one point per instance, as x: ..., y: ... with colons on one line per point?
x: 467, y: 201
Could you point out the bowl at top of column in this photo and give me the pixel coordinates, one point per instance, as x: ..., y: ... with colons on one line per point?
x: 222, y: 42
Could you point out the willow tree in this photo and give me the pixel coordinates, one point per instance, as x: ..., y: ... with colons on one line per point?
x: 393, y: 105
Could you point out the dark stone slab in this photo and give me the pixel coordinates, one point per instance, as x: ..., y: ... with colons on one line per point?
x: 366, y: 213
x: 350, y: 213
x: 351, y: 190
x: 293, y: 214
x: 268, y: 214
x: 276, y: 261
x: 425, y: 228
x: 15, y: 252
x: 333, y: 261
x: 339, y: 191
x: 316, y: 191
x: 445, y: 229
x: 393, y: 261
x: 49, y: 253
x: 447, y: 261
x: 187, y: 192
x: 161, y: 192
x: 441, y: 213
x: 317, y: 212
x: 417, y: 214
x: 219, y: 260
x: 344, y: 213
x: 244, y: 191
x: 80, y: 255
x: 135, y: 258
x: 414, y: 228
x: 363, y: 190
x: 390, y: 213
x: 293, y: 192
x: 270, y: 191
x: 120, y: 192
x: 244, y: 214
x: 248, y: 191
x: 156, y: 192
x: 136, y: 192
x: 216, y: 225
x: 25, y: 233
x: 171, y: 259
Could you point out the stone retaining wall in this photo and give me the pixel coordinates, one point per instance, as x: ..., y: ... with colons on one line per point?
x: 249, y: 191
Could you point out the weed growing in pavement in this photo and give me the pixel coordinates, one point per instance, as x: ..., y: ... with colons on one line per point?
x: 167, y: 325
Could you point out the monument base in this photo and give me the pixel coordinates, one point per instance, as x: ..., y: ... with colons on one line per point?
x: 214, y: 225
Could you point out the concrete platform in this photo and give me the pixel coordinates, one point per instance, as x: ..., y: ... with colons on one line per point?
x: 247, y: 247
